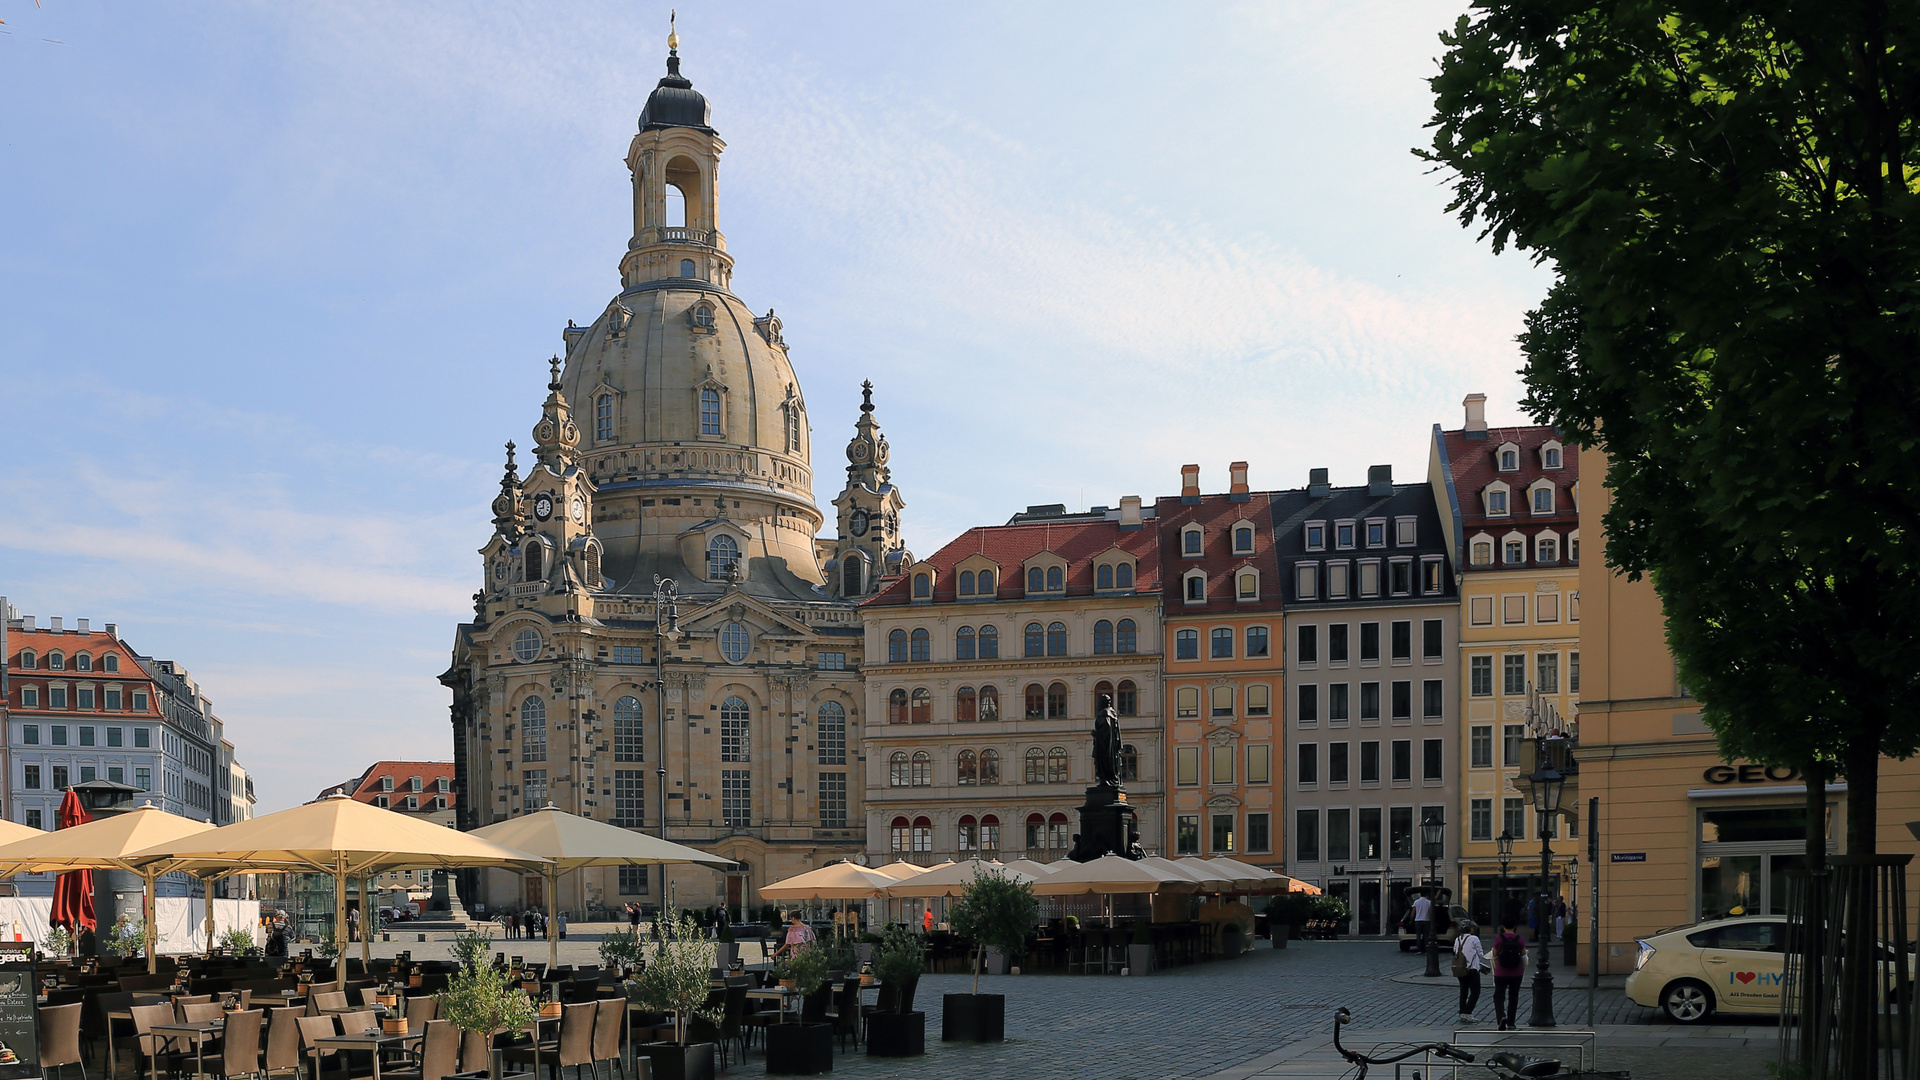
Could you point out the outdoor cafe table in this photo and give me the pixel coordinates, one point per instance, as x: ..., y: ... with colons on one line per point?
x: 199, y: 1033
x: 375, y: 1041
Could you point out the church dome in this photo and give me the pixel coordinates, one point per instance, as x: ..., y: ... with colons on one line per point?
x: 675, y: 103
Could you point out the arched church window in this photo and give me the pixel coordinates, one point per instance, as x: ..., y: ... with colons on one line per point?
x: 628, y: 740
x: 536, y: 562
x: 832, y: 733
x: 709, y: 411
x: 734, y: 744
x: 989, y: 642
x: 722, y: 554
x: 603, y: 418
x: 533, y: 730
x: 686, y: 268
x: 593, y: 567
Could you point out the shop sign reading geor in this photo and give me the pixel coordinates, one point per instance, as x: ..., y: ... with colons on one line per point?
x: 19, y: 1016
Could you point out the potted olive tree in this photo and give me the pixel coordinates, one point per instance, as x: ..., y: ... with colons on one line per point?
x: 994, y: 911
x: 676, y: 982
x: 484, y: 1001
x: 803, y: 1047
x: 895, y: 1029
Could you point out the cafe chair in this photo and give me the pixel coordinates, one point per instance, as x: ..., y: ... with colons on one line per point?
x: 355, y: 1023
x: 606, y: 1035
x: 60, y: 1037
x: 476, y: 1052
x: 421, y: 1009
x: 439, y: 1054
x: 846, y: 1013
x: 201, y: 1012
x: 312, y: 1028
x: 239, y: 1046
x: 146, y: 1045
x: 283, y: 1041
x: 318, y: 1002
x: 573, y: 1046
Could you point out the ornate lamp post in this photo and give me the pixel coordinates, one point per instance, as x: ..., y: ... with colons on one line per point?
x: 1506, y: 857
x: 1433, y: 838
x: 666, y: 631
x: 1547, y: 786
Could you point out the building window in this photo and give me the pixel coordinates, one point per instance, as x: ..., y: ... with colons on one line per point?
x: 989, y: 767
x: 722, y: 554
x: 1306, y: 836
x: 831, y: 738
x: 1249, y: 585
x: 30, y: 697
x: 1186, y: 645
x: 1340, y: 834
x: 33, y: 820
x: 1186, y: 766
x: 83, y: 699
x: 1546, y: 672
x: 533, y: 730
x: 897, y: 707
x: 1123, y: 575
x: 1431, y: 759
x: 1243, y: 540
x: 1259, y: 763
x: 1223, y: 833
x: 1307, y: 764
x: 628, y: 740
x: 1187, y: 834
x: 533, y: 790
x: 1316, y: 536
x: 1190, y: 542
x: 1343, y: 535
x: 1370, y: 762
x: 897, y: 646
x: 1056, y: 701
x: 1480, y: 819
x: 1337, y: 643
x: 709, y: 411
x: 57, y: 699
x: 1480, y: 678
x: 1432, y: 699
x: 1512, y: 736
x: 1401, y: 763
x: 989, y: 704
x: 1370, y: 702
x: 686, y: 268
x: 1337, y: 755
x: 734, y: 732
x: 963, y: 643
x: 1573, y: 673
x: 965, y: 587
x: 31, y: 778
x: 1221, y: 701
x: 922, y: 711
x: 1308, y: 710
x: 1102, y: 637
x: 966, y: 705
x: 112, y: 701
x: 1036, y: 702
x: 1056, y: 639
x: 923, y: 586
x: 898, y: 773
x: 1496, y: 503
x: 1480, y: 741
x: 143, y: 778
x: 57, y: 660
x: 1057, y: 765
x: 60, y: 778
x: 1221, y: 771
x: 1546, y: 550
x: 633, y: 881
x: 603, y: 418
x: 920, y: 645
x: 1259, y: 700
x: 1222, y: 643
x: 1513, y: 674
x: 1129, y: 763
x: 30, y: 734
x: 1370, y: 577
x: 1305, y: 581
x: 1400, y: 832
x: 966, y: 768
x: 922, y: 769
x: 1196, y: 588
x: 1402, y: 703
x: 1430, y: 639
x: 1338, y: 711
x: 1516, y: 552
x: 1103, y: 576
x: 1257, y: 641
x: 1546, y: 607
x: 1514, y: 818
x: 735, y: 643
x: 1543, y: 500
x: 1483, y: 553
x: 1036, y: 766
x: 1307, y: 650
x: 736, y: 798
x: 1127, y: 700
x: 27, y: 659
x: 988, y: 640
x: 1401, y: 644
x: 1400, y: 580
x: 900, y: 836
x: 1036, y: 640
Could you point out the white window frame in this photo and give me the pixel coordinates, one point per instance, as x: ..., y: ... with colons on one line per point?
x: 1500, y: 457
x: 1505, y: 503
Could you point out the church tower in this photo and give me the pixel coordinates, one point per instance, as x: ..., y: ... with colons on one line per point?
x: 868, y: 547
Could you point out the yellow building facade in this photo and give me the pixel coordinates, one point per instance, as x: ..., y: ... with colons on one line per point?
x: 1510, y: 499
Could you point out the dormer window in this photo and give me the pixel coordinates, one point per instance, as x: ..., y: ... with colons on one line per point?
x: 82, y: 662
x: 1243, y: 539
x: 923, y: 586
x: 1316, y: 534
x: 709, y: 411
x: 111, y: 662
x: 1196, y: 587
x: 1481, y: 552
x: 1036, y: 580
x: 1406, y: 531
x: 27, y: 658
x: 1507, y: 457
x: 1376, y: 533
x: 722, y: 555
x: 1542, y: 497
x: 1123, y: 575
x: 1191, y: 541
x: 1516, y: 550
x: 966, y: 584
x: 1495, y: 497
x: 56, y: 660
x: 1343, y: 535
x: 1546, y: 548
x: 1056, y: 579
x: 703, y: 315
x: 986, y: 583
x: 386, y: 783
x: 1247, y: 585
x: 603, y: 418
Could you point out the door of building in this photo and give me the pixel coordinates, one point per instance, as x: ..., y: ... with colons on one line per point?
x: 536, y: 887
x: 736, y: 887
x: 1369, y: 907
x: 1481, y: 889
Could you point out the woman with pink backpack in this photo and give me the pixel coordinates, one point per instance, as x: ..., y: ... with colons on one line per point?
x: 1509, y: 963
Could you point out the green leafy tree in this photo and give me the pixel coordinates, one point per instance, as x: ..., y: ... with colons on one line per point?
x: 238, y: 940
x: 678, y: 979
x: 59, y: 942
x: 621, y: 949
x: 472, y: 949
x: 483, y: 999
x: 995, y: 910
x: 1726, y: 192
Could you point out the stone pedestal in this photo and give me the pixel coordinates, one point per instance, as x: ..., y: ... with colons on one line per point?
x: 1108, y: 826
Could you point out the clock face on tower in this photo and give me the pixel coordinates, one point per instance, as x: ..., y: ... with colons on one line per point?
x: 578, y: 510
x: 543, y: 506
x: 859, y: 523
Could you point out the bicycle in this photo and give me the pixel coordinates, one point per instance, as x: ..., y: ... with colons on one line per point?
x: 1503, y: 1064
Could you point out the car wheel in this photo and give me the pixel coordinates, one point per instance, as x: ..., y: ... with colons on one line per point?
x: 1686, y: 1002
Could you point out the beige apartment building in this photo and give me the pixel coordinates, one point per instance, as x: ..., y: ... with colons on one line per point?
x: 986, y: 663
x: 1510, y: 500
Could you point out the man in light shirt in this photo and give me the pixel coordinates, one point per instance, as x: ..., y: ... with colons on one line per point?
x: 1422, y: 921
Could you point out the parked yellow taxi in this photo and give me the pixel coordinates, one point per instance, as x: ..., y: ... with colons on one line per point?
x: 1728, y: 965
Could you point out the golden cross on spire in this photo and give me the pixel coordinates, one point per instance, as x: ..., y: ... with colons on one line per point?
x: 673, y: 36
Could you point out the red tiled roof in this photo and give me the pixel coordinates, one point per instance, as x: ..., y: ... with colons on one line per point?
x: 401, y: 771
x: 95, y: 643
x: 1010, y: 546
x: 1472, y: 464
x: 1215, y: 514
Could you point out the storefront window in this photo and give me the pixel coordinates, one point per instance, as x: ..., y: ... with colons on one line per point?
x: 1755, y: 825
x: 1746, y: 854
x: 1729, y: 885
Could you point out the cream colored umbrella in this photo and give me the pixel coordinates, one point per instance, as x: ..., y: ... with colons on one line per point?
x: 571, y: 842
x: 841, y: 881
x: 1246, y: 877
x: 953, y: 879
x: 341, y: 837
x: 1036, y: 869
x: 108, y: 843
x: 11, y: 832
x: 1110, y: 875
x: 1209, y: 879
x: 900, y: 870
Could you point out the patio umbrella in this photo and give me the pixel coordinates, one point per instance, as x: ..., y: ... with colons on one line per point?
x: 1246, y: 878
x: 1028, y: 866
x: 73, y: 894
x: 841, y: 881
x: 105, y: 844
x: 1209, y: 880
x: 953, y: 879
x: 571, y: 842
x: 1110, y: 875
x: 901, y: 870
x: 343, y: 838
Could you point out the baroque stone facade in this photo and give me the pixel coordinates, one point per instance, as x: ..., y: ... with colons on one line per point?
x: 654, y: 644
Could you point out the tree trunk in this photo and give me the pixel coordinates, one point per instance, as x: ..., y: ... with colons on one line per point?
x: 1863, y: 793
x: 1810, y: 934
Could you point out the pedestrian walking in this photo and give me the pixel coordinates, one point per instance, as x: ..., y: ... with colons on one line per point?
x: 1423, y: 921
x: 633, y: 917
x: 563, y: 926
x: 1467, y: 952
x: 1559, y: 919
x: 799, y: 934
x: 1509, y: 963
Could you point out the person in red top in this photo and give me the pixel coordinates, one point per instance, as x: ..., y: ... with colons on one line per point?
x: 1509, y: 963
x: 926, y: 922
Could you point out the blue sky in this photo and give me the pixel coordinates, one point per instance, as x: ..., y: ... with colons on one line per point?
x: 276, y: 281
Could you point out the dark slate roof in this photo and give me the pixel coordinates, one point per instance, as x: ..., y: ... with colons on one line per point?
x: 675, y: 103
x: 1293, y: 509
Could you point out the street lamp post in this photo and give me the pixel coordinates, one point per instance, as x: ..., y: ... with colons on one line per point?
x: 666, y: 630
x: 1433, y: 837
x: 1506, y: 858
x: 1547, y: 786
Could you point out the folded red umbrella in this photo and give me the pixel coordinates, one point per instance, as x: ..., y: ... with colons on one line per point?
x: 73, y: 893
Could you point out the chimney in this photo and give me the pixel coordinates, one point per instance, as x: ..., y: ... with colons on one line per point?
x: 1317, y: 486
x: 1379, y: 480
x: 1476, y: 415
x: 1238, y: 491
x: 1129, y: 511
x: 83, y: 625
x: 54, y: 622
x: 1189, y: 483
x: 26, y: 622
x: 113, y: 631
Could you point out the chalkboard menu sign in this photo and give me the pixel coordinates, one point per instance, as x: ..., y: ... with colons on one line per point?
x: 19, y: 1017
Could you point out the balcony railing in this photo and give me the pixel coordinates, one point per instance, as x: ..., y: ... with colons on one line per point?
x: 669, y: 234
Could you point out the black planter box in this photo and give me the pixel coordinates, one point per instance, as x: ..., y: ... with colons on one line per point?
x: 973, y: 1017
x: 671, y: 1061
x: 799, y: 1049
x: 896, y: 1034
